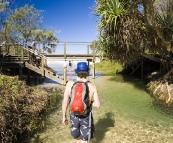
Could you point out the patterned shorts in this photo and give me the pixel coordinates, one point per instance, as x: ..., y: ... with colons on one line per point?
x: 80, y: 127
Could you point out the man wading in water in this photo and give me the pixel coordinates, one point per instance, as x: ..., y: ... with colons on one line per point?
x: 82, y: 127
x: 69, y: 69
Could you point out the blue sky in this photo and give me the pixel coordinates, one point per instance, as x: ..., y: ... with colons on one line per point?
x: 73, y: 18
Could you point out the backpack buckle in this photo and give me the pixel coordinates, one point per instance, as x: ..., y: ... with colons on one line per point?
x: 76, y: 113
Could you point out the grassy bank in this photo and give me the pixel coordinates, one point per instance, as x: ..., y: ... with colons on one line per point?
x: 22, y: 108
x: 109, y: 67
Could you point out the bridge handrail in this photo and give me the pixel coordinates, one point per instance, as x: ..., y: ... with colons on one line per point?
x: 42, y: 56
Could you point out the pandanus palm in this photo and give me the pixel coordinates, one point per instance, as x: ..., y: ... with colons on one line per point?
x: 125, y: 36
x: 164, y: 18
x: 109, y: 11
x: 134, y: 33
x: 113, y: 16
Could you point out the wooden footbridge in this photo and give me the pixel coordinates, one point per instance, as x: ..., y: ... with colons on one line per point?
x: 30, y: 60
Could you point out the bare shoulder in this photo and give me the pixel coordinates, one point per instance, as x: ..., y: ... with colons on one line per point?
x: 68, y: 88
x: 69, y: 84
x: 91, y: 86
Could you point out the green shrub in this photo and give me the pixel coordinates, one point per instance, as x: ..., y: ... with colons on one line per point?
x: 21, y: 107
x: 109, y: 67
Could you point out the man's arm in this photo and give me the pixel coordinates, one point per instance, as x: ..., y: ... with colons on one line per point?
x: 65, y: 104
x: 96, y: 99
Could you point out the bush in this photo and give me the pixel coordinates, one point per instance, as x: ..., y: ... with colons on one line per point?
x: 109, y: 67
x: 21, y: 107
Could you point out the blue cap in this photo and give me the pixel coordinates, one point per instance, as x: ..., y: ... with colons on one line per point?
x: 82, y: 67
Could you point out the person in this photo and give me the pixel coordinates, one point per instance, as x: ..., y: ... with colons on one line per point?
x: 78, y: 130
x: 70, y: 68
x: 65, y: 64
x: 70, y: 64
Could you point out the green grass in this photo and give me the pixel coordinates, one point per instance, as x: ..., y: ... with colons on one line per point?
x: 109, y: 67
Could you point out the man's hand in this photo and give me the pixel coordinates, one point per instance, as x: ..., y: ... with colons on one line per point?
x: 65, y: 121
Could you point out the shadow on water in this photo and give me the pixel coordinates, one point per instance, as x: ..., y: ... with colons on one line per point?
x: 102, y: 126
x: 136, y: 81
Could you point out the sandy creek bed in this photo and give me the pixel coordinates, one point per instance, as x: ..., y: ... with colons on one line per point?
x: 127, y: 115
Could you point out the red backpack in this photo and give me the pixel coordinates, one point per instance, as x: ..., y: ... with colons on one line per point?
x: 79, y: 103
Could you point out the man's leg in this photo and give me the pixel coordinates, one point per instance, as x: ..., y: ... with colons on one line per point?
x: 85, y: 129
x: 78, y: 140
x: 75, y: 131
x: 83, y: 141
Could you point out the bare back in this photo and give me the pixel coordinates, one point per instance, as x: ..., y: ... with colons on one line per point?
x: 93, y: 94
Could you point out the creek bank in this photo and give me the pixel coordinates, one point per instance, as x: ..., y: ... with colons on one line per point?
x: 158, y: 84
x: 161, y: 88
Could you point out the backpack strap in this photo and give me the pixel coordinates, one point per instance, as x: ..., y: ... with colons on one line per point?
x: 75, y: 81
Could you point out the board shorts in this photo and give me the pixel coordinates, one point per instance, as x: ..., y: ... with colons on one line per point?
x: 80, y: 127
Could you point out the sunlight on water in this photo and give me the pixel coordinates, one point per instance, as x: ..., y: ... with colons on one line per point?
x: 127, y: 115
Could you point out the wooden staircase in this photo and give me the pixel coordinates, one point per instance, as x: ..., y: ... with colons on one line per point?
x: 46, y: 73
x: 25, y: 62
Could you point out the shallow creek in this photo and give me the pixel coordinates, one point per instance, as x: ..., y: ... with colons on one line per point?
x: 127, y: 115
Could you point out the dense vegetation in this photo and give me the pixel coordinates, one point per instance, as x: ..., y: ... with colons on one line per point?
x: 22, y: 108
x: 133, y: 31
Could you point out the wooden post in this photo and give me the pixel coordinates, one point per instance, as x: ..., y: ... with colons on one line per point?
x: 20, y: 71
x: 45, y: 62
x: 22, y: 54
x: 29, y: 56
x: 35, y: 79
x: 42, y: 66
x: 88, y: 63
x: 65, y: 72
x: 88, y: 60
x: 142, y: 68
x: 93, y: 75
x: 29, y: 76
x: 0, y: 49
x: 135, y: 68
x: 64, y: 50
x: 94, y: 60
x: 94, y: 51
x: 14, y: 52
x: 88, y: 47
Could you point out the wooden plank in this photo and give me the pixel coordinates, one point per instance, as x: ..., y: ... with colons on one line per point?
x: 10, y: 58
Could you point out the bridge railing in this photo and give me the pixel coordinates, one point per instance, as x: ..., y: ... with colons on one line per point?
x: 74, y: 48
x: 68, y: 48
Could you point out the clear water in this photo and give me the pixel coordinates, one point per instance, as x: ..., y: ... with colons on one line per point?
x: 127, y: 115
